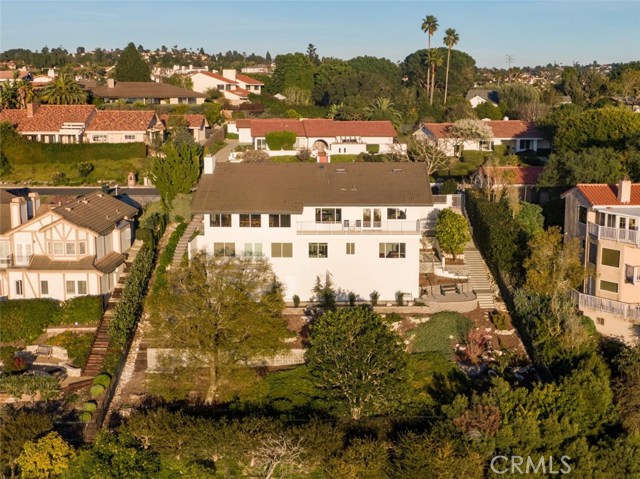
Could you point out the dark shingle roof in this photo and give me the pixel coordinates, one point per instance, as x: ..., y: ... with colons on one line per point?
x: 96, y: 211
x: 287, y: 188
x: 134, y: 89
x: 485, y: 94
x: 5, y: 210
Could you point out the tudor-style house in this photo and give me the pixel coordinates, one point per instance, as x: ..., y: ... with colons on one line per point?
x: 362, y: 223
x: 70, y: 250
x: 606, y: 218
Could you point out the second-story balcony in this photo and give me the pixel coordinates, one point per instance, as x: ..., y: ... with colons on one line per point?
x: 615, y: 234
x: 5, y: 261
x: 360, y: 227
x: 11, y: 260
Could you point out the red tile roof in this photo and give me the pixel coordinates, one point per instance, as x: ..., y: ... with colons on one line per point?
x: 243, y: 123
x: 124, y: 120
x: 515, y: 175
x: 217, y: 77
x: 241, y: 92
x: 322, y: 128
x: 193, y: 121
x: 248, y: 80
x: 500, y: 128
x: 8, y: 74
x: 607, y: 195
x: 48, y: 118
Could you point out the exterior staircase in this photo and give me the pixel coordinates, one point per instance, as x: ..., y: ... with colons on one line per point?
x: 480, y: 277
x: 196, y: 223
x: 101, y: 340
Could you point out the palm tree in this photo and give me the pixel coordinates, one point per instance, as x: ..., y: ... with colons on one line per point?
x: 451, y: 39
x: 64, y: 90
x: 435, y: 60
x: 429, y: 26
x: 383, y: 109
x: 25, y: 92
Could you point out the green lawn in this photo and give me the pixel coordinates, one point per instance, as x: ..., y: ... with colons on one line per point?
x: 78, y: 346
x: 104, y: 170
x: 434, y: 335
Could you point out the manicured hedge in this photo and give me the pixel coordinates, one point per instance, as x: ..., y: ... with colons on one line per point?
x: 129, y: 308
x: 85, y: 310
x: 26, y: 319
x: 373, y: 149
x: 78, y: 346
x: 97, y: 390
x: 280, y: 140
x: 103, y: 379
x: 21, y: 151
x: 167, y: 256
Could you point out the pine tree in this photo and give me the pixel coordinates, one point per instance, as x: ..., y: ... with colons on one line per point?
x: 131, y: 66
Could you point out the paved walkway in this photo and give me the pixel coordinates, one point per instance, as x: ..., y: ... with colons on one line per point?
x: 183, y: 244
x: 223, y: 155
x: 480, y: 277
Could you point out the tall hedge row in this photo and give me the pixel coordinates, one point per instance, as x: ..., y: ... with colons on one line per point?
x: 129, y: 308
x: 281, y: 140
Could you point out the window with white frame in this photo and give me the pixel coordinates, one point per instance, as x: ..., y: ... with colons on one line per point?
x: 66, y: 248
x: 44, y: 287
x: 632, y: 274
x: 279, y: 221
x: 282, y: 250
x: 220, y: 220
x: 253, y: 220
x: 485, y: 145
x: 318, y: 250
x: 99, y: 138
x: 129, y: 137
x: 351, y: 248
x: 82, y: 287
x: 252, y: 250
x: 18, y: 286
x: 328, y: 215
x: 224, y: 249
x: 396, y: 214
x: 82, y: 247
x: 392, y: 250
x: 261, y: 144
x: 71, y: 287
x: 526, y: 144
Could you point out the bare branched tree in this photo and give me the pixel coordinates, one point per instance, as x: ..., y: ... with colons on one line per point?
x: 278, y: 453
x: 427, y: 150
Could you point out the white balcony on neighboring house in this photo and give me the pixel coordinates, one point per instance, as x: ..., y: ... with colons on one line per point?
x: 632, y: 274
x: 5, y: 261
x: 621, y: 235
x: 360, y: 227
x: 627, y: 311
x: 22, y: 259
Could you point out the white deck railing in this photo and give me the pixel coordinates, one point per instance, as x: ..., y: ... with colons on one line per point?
x: 347, y: 227
x: 627, y: 311
x: 615, y: 234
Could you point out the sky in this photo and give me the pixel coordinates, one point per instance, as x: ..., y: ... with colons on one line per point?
x: 532, y: 32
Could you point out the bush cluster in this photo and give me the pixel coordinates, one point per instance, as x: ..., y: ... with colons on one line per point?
x: 167, y: 256
x: 86, y: 310
x: 280, y: 140
x: 26, y: 319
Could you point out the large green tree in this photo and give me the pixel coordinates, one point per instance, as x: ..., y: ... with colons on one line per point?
x: 19, y: 427
x: 452, y: 232
x: 292, y: 69
x: 45, y: 458
x: 176, y: 170
x: 221, y: 313
x: 131, y: 66
x: 356, y: 358
x: 591, y: 165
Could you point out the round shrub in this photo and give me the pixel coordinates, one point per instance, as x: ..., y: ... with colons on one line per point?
x: 97, y: 390
x: 85, y: 416
x: 102, y: 379
x: 296, y: 300
x: 89, y: 406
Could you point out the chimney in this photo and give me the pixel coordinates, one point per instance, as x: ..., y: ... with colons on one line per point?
x: 32, y: 108
x: 624, y: 191
x: 15, y: 209
x: 111, y: 82
x: 209, y: 164
x: 34, y: 200
x: 229, y: 74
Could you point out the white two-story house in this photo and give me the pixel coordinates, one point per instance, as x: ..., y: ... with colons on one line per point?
x: 360, y: 222
x: 74, y: 249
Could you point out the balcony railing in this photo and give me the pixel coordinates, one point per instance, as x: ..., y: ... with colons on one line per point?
x: 22, y: 259
x: 349, y: 227
x: 615, y: 234
x: 628, y: 311
x: 5, y: 262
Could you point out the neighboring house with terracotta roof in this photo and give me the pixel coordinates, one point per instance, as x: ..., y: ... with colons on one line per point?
x: 124, y: 126
x: 83, y: 123
x: 517, y: 135
x: 150, y: 93
x: 360, y: 222
x: 74, y: 249
x: 477, y: 96
x: 9, y: 76
x: 234, y: 86
x: 323, y: 137
x: 606, y: 219
x: 196, y: 124
x: 519, y: 180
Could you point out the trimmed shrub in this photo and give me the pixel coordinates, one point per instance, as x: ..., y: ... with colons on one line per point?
x: 449, y: 187
x: 103, y: 379
x: 146, y: 235
x: 373, y: 149
x: 85, y: 310
x: 26, y: 319
x: 97, y: 390
x: 345, y: 158
x: 90, y: 406
x: 59, y: 178
x: 296, y: 300
x: 85, y: 416
x: 280, y: 140
x: 167, y: 256
x: 232, y: 136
